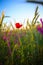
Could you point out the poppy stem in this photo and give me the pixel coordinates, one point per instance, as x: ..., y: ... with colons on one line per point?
x: 19, y: 38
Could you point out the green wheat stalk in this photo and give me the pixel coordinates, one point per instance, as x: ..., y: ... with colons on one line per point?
x: 36, y: 16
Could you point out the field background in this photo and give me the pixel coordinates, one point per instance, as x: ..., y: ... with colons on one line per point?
x: 19, y: 44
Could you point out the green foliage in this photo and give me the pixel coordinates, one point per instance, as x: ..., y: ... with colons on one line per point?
x: 22, y: 47
x: 30, y: 52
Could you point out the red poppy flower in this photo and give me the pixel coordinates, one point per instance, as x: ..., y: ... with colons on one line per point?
x: 18, y: 25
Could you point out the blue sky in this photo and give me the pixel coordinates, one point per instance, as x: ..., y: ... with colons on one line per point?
x: 19, y: 10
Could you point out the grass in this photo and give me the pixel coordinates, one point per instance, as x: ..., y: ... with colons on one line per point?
x: 21, y: 47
